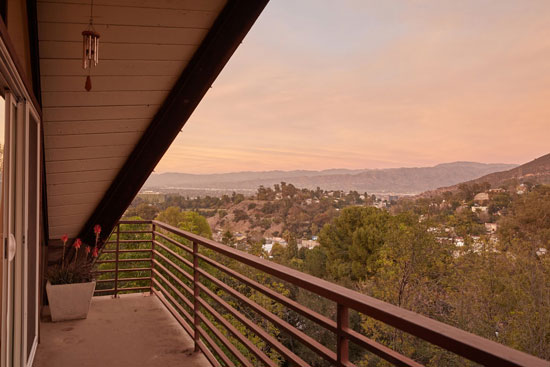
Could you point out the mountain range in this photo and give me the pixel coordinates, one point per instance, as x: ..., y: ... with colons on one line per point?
x: 404, y: 181
x: 535, y: 171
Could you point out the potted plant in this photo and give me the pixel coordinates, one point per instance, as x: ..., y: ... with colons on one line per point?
x: 70, y: 285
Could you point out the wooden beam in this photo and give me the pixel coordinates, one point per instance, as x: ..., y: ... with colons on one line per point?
x: 37, y: 89
x: 227, y: 32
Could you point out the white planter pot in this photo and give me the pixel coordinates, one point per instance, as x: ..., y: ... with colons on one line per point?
x: 70, y: 301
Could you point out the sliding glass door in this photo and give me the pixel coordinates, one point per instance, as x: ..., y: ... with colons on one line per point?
x: 19, y: 210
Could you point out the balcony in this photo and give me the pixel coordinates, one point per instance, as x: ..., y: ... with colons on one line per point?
x: 232, y: 309
x: 131, y: 330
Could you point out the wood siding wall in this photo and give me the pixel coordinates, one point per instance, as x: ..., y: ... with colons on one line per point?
x: 144, y: 47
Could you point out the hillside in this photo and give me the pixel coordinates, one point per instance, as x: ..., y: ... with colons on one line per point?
x: 536, y: 171
x: 394, y: 180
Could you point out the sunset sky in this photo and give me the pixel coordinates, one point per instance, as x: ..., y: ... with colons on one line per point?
x: 321, y: 84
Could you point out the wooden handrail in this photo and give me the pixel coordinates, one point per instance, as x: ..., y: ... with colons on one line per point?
x: 164, y: 257
x: 462, y: 343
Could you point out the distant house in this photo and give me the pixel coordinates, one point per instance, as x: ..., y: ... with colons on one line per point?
x: 267, y: 247
x: 491, y: 227
x: 479, y: 209
x: 481, y: 197
x: 521, y: 189
x: 309, y: 244
x: 541, y: 251
x: 274, y: 240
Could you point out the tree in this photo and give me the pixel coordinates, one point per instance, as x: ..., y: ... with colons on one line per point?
x: 352, y: 240
x: 186, y: 220
x: 227, y: 238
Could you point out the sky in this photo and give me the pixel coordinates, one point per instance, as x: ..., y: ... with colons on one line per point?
x: 319, y: 84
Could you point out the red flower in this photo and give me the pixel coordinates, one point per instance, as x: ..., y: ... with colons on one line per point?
x: 77, y: 243
x: 64, y: 238
x: 97, y: 229
x: 95, y: 252
x: 87, y: 250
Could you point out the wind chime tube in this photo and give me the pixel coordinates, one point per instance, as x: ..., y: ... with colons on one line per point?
x: 90, y: 48
x: 97, y: 50
x: 84, y: 58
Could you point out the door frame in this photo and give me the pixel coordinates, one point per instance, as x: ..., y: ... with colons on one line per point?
x: 12, y: 82
x: 30, y: 117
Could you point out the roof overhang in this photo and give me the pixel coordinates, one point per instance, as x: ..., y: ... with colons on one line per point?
x: 92, y: 177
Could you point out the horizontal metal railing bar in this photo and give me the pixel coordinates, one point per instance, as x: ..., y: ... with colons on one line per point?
x: 174, y: 242
x: 173, y: 265
x: 215, y: 346
x: 124, y: 260
x: 465, y: 344
x: 162, y: 297
x: 125, y: 251
x: 102, y: 271
x: 208, y: 354
x: 122, y: 270
x: 242, y: 339
x: 305, y: 339
x: 175, y: 254
x: 136, y: 232
x: 104, y: 290
x: 380, y: 350
x: 105, y: 280
x: 284, y: 351
x: 122, y: 279
x: 187, y: 316
x: 127, y: 241
x: 158, y: 264
x: 174, y: 289
x: 304, y: 311
x: 134, y: 221
x: 133, y: 279
x: 147, y: 288
x: 226, y: 343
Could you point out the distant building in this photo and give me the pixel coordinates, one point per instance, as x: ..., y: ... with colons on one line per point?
x: 267, y: 247
x: 274, y: 240
x: 521, y: 189
x: 309, y: 244
x: 481, y: 197
x: 479, y: 209
x: 491, y: 227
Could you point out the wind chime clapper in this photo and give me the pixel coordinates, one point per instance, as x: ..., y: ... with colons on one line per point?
x: 90, y: 56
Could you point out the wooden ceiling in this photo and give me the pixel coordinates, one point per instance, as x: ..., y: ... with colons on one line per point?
x: 144, y: 47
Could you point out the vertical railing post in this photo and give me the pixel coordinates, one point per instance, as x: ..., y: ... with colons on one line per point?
x: 196, y: 294
x: 342, y: 343
x: 116, y: 258
x: 153, y: 229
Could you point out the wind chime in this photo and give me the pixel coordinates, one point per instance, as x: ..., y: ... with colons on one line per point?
x: 90, y: 44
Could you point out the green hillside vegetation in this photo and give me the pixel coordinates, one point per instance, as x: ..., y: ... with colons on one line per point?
x: 434, y: 256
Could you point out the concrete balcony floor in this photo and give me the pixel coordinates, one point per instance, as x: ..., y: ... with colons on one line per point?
x: 133, y: 330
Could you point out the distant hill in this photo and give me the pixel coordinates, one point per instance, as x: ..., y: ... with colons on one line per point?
x: 536, y: 171
x: 392, y: 180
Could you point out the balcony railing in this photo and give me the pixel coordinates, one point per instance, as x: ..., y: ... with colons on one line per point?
x: 197, y: 281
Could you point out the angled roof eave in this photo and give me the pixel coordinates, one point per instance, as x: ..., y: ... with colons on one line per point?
x: 227, y: 32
